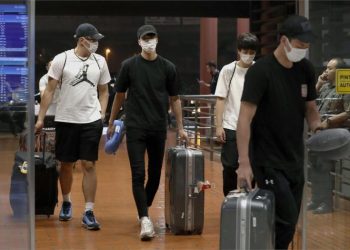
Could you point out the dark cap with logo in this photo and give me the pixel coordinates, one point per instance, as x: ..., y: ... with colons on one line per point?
x: 298, y: 27
x: 145, y: 30
x: 88, y: 30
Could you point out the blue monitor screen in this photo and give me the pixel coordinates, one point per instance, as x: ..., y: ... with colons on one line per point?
x: 13, y: 53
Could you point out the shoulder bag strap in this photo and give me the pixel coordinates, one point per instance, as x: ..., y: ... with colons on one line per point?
x: 64, y: 64
x: 229, y: 84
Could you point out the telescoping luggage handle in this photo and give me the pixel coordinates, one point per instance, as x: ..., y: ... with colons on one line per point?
x: 39, y: 146
x: 40, y: 142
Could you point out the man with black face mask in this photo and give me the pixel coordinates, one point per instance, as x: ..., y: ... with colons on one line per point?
x: 279, y: 93
x: 150, y: 81
x: 82, y: 76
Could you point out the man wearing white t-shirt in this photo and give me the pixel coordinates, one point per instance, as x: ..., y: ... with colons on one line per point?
x: 82, y: 76
x: 228, y: 92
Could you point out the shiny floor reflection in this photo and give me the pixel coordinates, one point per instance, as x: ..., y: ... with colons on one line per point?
x: 115, y: 210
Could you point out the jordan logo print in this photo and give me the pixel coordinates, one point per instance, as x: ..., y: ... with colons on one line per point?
x: 82, y: 77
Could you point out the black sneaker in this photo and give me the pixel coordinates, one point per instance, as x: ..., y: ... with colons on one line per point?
x: 89, y: 221
x: 66, y: 211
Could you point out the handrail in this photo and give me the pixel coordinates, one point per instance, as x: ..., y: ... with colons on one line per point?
x: 199, y: 121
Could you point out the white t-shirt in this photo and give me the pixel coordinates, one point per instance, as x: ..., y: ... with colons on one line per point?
x: 233, y: 101
x: 78, y: 100
x: 44, y: 80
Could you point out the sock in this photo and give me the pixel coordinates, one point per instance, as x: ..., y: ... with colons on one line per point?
x: 66, y: 197
x: 89, y: 206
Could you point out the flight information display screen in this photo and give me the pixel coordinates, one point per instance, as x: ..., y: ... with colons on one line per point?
x: 13, y: 53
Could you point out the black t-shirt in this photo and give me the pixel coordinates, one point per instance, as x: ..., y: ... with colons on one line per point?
x: 149, y: 85
x: 214, y: 81
x: 280, y: 95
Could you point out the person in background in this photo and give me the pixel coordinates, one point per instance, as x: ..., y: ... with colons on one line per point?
x: 150, y: 80
x: 82, y: 76
x: 279, y: 93
x: 44, y: 80
x: 212, y: 69
x: 334, y: 111
x: 228, y: 100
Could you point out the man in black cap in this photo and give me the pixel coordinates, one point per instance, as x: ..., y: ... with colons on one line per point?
x: 279, y: 92
x: 151, y: 81
x: 82, y: 76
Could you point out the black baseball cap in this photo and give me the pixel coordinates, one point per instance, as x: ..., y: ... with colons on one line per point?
x: 145, y: 30
x: 298, y: 27
x: 87, y: 29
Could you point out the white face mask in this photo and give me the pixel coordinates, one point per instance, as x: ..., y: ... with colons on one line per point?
x: 295, y: 54
x: 93, y: 46
x: 149, y: 46
x: 246, y: 58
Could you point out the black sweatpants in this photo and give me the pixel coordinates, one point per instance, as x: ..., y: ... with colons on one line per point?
x: 288, y: 190
x: 138, y: 142
x: 229, y: 160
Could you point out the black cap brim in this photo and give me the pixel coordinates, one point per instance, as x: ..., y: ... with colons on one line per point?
x: 147, y: 33
x: 307, y: 37
x: 97, y: 36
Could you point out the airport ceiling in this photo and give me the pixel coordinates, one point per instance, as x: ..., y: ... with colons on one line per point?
x: 236, y: 8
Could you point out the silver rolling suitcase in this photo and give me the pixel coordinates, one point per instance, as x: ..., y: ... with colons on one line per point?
x: 184, y: 201
x: 247, y: 220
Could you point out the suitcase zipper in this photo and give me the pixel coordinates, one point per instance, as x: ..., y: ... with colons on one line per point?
x: 189, y: 201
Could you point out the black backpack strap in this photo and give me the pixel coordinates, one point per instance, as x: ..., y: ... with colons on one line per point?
x: 229, y: 84
x: 64, y: 64
x: 96, y: 62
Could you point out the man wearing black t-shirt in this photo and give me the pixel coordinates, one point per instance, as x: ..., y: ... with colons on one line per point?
x: 279, y: 92
x: 214, y: 73
x: 150, y: 80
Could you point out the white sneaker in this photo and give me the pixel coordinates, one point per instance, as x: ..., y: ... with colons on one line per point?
x: 147, y: 230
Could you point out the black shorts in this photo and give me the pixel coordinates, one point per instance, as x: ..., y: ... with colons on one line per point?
x: 78, y: 141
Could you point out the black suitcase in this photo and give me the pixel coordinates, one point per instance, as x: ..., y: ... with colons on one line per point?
x: 46, y: 190
x: 184, y: 201
x: 247, y: 220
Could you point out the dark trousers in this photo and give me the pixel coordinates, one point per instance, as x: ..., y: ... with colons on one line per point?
x: 138, y: 142
x: 288, y: 191
x: 321, y: 180
x: 229, y: 160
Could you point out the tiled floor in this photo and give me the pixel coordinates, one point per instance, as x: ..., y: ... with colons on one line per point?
x: 116, y: 211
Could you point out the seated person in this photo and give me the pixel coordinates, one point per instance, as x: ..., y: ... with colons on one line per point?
x: 334, y: 110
